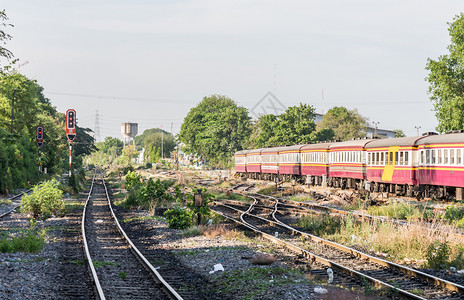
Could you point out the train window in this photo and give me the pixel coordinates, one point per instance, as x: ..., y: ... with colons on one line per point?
x: 434, y: 155
x: 452, y: 156
x: 401, y: 158
x: 445, y: 152
x: 396, y: 158
x: 458, y: 157
x: 427, y: 157
x: 406, y: 158
x: 422, y: 158
x: 440, y: 157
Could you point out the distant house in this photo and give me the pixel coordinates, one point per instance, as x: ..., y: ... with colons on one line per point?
x: 380, y: 133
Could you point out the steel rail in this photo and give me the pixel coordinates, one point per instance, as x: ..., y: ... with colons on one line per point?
x: 314, y: 257
x: 166, y: 286
x: 358, y: 215
x: 96, y: 281
x: 16, y: 206
x: 406, y: 270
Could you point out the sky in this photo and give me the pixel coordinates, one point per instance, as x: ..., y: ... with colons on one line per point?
x: 150, y: 62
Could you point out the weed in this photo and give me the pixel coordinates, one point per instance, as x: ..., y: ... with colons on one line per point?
x: 300, y: 198
x: 45, y: 200
x: 123, y: 275
x: 403, y: 211
x: 255, y: 280
x: 178, y: 218
x: 144, y: 218
x: 98, y: 264
x: 232, y: 196
x: 320, y: 224
x: 438, y: 255
x: 30, y: 240
x: 418, y: 292
x: 189, y: 252
x: 267, y: 190
x: 192, y: 231
x: 77, y: 262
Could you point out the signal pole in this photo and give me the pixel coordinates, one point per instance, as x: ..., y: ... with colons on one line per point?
x: 71, y: 131
x: 39, y: 141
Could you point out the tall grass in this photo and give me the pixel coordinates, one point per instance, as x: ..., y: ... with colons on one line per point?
x: 398, y: 243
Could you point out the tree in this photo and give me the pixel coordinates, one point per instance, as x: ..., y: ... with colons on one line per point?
x: 294, y: 126
x: 346, y: 124
x: 156, y: 141
x: 215, y: 129
x: 399, y: 133
x: 4, y: 36
x: 446, y: 80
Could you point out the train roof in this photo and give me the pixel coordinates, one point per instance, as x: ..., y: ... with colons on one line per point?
x: 241, y: 152
x: 316, y: 146
x: 255, y: 151
x: 273, y: 149
x: 452, y: 138
x: 291, y: 148
x: 352, y: 143
x: 403, y: 141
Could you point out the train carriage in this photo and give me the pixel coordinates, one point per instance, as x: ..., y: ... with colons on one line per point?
x: 270, y: 162
x: 289, y: 161
x: 315, y: 162
x: 347, y: 163
x: 240, y: 162
x: 441, y: 165
x: 253, y: 163
x: 392, y: 164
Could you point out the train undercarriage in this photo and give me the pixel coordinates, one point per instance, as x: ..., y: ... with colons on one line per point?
x: 417, y: 191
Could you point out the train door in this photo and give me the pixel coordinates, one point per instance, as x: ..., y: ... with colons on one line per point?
x: 390, y: 162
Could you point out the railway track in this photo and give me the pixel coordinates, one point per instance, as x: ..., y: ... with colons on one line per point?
x: 305, y: 208
x: 118, y: 269
x: 15, y: 204
x: 362, y: 267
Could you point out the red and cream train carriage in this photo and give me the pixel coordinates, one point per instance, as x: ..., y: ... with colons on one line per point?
x: 392, y: 164
x: 347, y: 164
x: 270, y: 162
x: 289, y: 161
x: 240, y: 161
x: 315, y: 162
x: 253, y: 163
x: 427, y: 166
x: 441, y: 165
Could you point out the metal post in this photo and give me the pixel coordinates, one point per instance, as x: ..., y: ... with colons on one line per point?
x: 70, y: 158
x: 40, y: 161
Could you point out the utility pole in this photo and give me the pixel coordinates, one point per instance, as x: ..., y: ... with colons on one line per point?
x: 162, y: 142
x: 375, y: 128
x: 417, y: 128
x: 12, y: 111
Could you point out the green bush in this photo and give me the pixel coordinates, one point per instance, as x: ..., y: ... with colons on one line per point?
x: 178, y: 218
x: 133, y: 181
x: 438, y: 255
x: 454, y: 213
x: 46, y: 199
x: 31, y: 240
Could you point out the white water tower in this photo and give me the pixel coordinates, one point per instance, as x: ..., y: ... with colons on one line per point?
x: 129, y: 131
